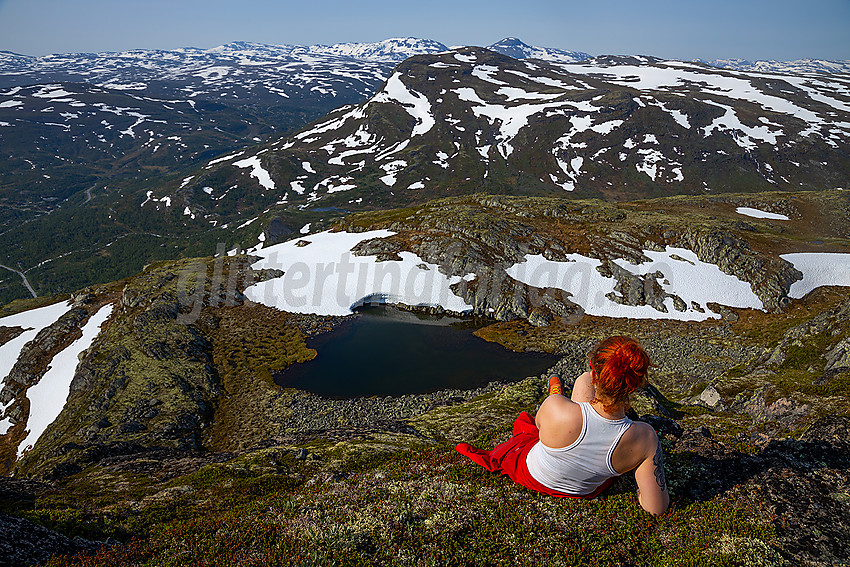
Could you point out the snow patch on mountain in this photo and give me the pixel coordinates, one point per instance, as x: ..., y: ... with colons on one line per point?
x: 677, y: 75
x: 771, y: 66
x: 322, y: 277
x: 510, y: 119
x: 149, y: 198
x: 417, y: 105
x: 261, y: 175
x: 819, y: 269
x: 224, y: 158
x: 393, y: 49
x: 392, y: 168
x: 683, y: 274
x: 48, y: 396
x: 759, y: 214
x: 32, y: 322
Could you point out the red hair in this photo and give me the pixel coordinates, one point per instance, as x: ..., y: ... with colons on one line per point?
x: 619, y: 366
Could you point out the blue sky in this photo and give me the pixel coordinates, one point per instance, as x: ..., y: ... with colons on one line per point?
x: 683, y: 29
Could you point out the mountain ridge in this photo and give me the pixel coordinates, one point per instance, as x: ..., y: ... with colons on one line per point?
x: 397, y: 49
x: 456, y: 122
x: 792, y: 66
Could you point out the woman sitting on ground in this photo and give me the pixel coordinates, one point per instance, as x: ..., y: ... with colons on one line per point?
x: 576, y: 447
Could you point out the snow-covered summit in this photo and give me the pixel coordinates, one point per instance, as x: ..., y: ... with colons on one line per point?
x: 443, y: 121
x: 11, y: 58
x: 771, y: 66
x: 394, y: 49
x: 513, y: 47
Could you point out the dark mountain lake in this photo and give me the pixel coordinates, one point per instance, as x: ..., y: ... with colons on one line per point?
x: 388, y: 352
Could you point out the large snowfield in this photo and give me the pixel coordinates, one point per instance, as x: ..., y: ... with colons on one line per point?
x: 325, y: 278
x: 683, y: 274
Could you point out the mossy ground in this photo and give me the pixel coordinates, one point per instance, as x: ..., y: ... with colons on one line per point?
x: 393, y: 500
x: 250, y: 344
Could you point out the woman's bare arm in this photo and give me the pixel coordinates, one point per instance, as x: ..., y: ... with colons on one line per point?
x: 651, y: 479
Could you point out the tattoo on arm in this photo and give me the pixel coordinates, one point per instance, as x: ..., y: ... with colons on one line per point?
x: 658, y: 461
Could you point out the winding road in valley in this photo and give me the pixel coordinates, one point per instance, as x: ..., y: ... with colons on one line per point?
x: 23, y: 277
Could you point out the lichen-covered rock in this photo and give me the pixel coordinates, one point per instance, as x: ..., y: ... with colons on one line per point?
x: 24, y: 543
x: 838, y: 357
x: 647, y: 401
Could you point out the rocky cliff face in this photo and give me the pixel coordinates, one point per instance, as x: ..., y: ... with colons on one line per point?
x: 487, y: 234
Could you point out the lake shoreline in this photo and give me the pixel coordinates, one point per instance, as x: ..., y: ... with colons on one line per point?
x: 386, y: 351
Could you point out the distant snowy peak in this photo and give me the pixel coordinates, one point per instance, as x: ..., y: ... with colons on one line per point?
x: 10, y: 58
x: 798, y: 66
x: 395, y: 49
x: 513, y: 47
x: 240, y: 48
x: 388, y: 50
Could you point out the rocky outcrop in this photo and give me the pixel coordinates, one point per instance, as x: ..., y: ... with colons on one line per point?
x: 24, y: 543
x: 148, y: 382
x: 826, y: 334
x: 838, y: 357
x: 486, y: 234
x: 801, y: 485
x: 770, y: 278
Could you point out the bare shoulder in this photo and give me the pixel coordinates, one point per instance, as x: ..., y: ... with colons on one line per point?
x: 557, y: 408
x: 643, y: 436
x: 637, y: 445
x: 559, y: 421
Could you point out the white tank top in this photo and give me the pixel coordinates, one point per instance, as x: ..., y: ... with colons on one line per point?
x: 583, y: 466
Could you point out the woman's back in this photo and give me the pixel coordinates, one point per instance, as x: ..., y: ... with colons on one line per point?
x: 583, y: 465
x: 561, y: 421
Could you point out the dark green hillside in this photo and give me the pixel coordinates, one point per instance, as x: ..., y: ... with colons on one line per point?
x: 93, y: 138
x: 83, y: 137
